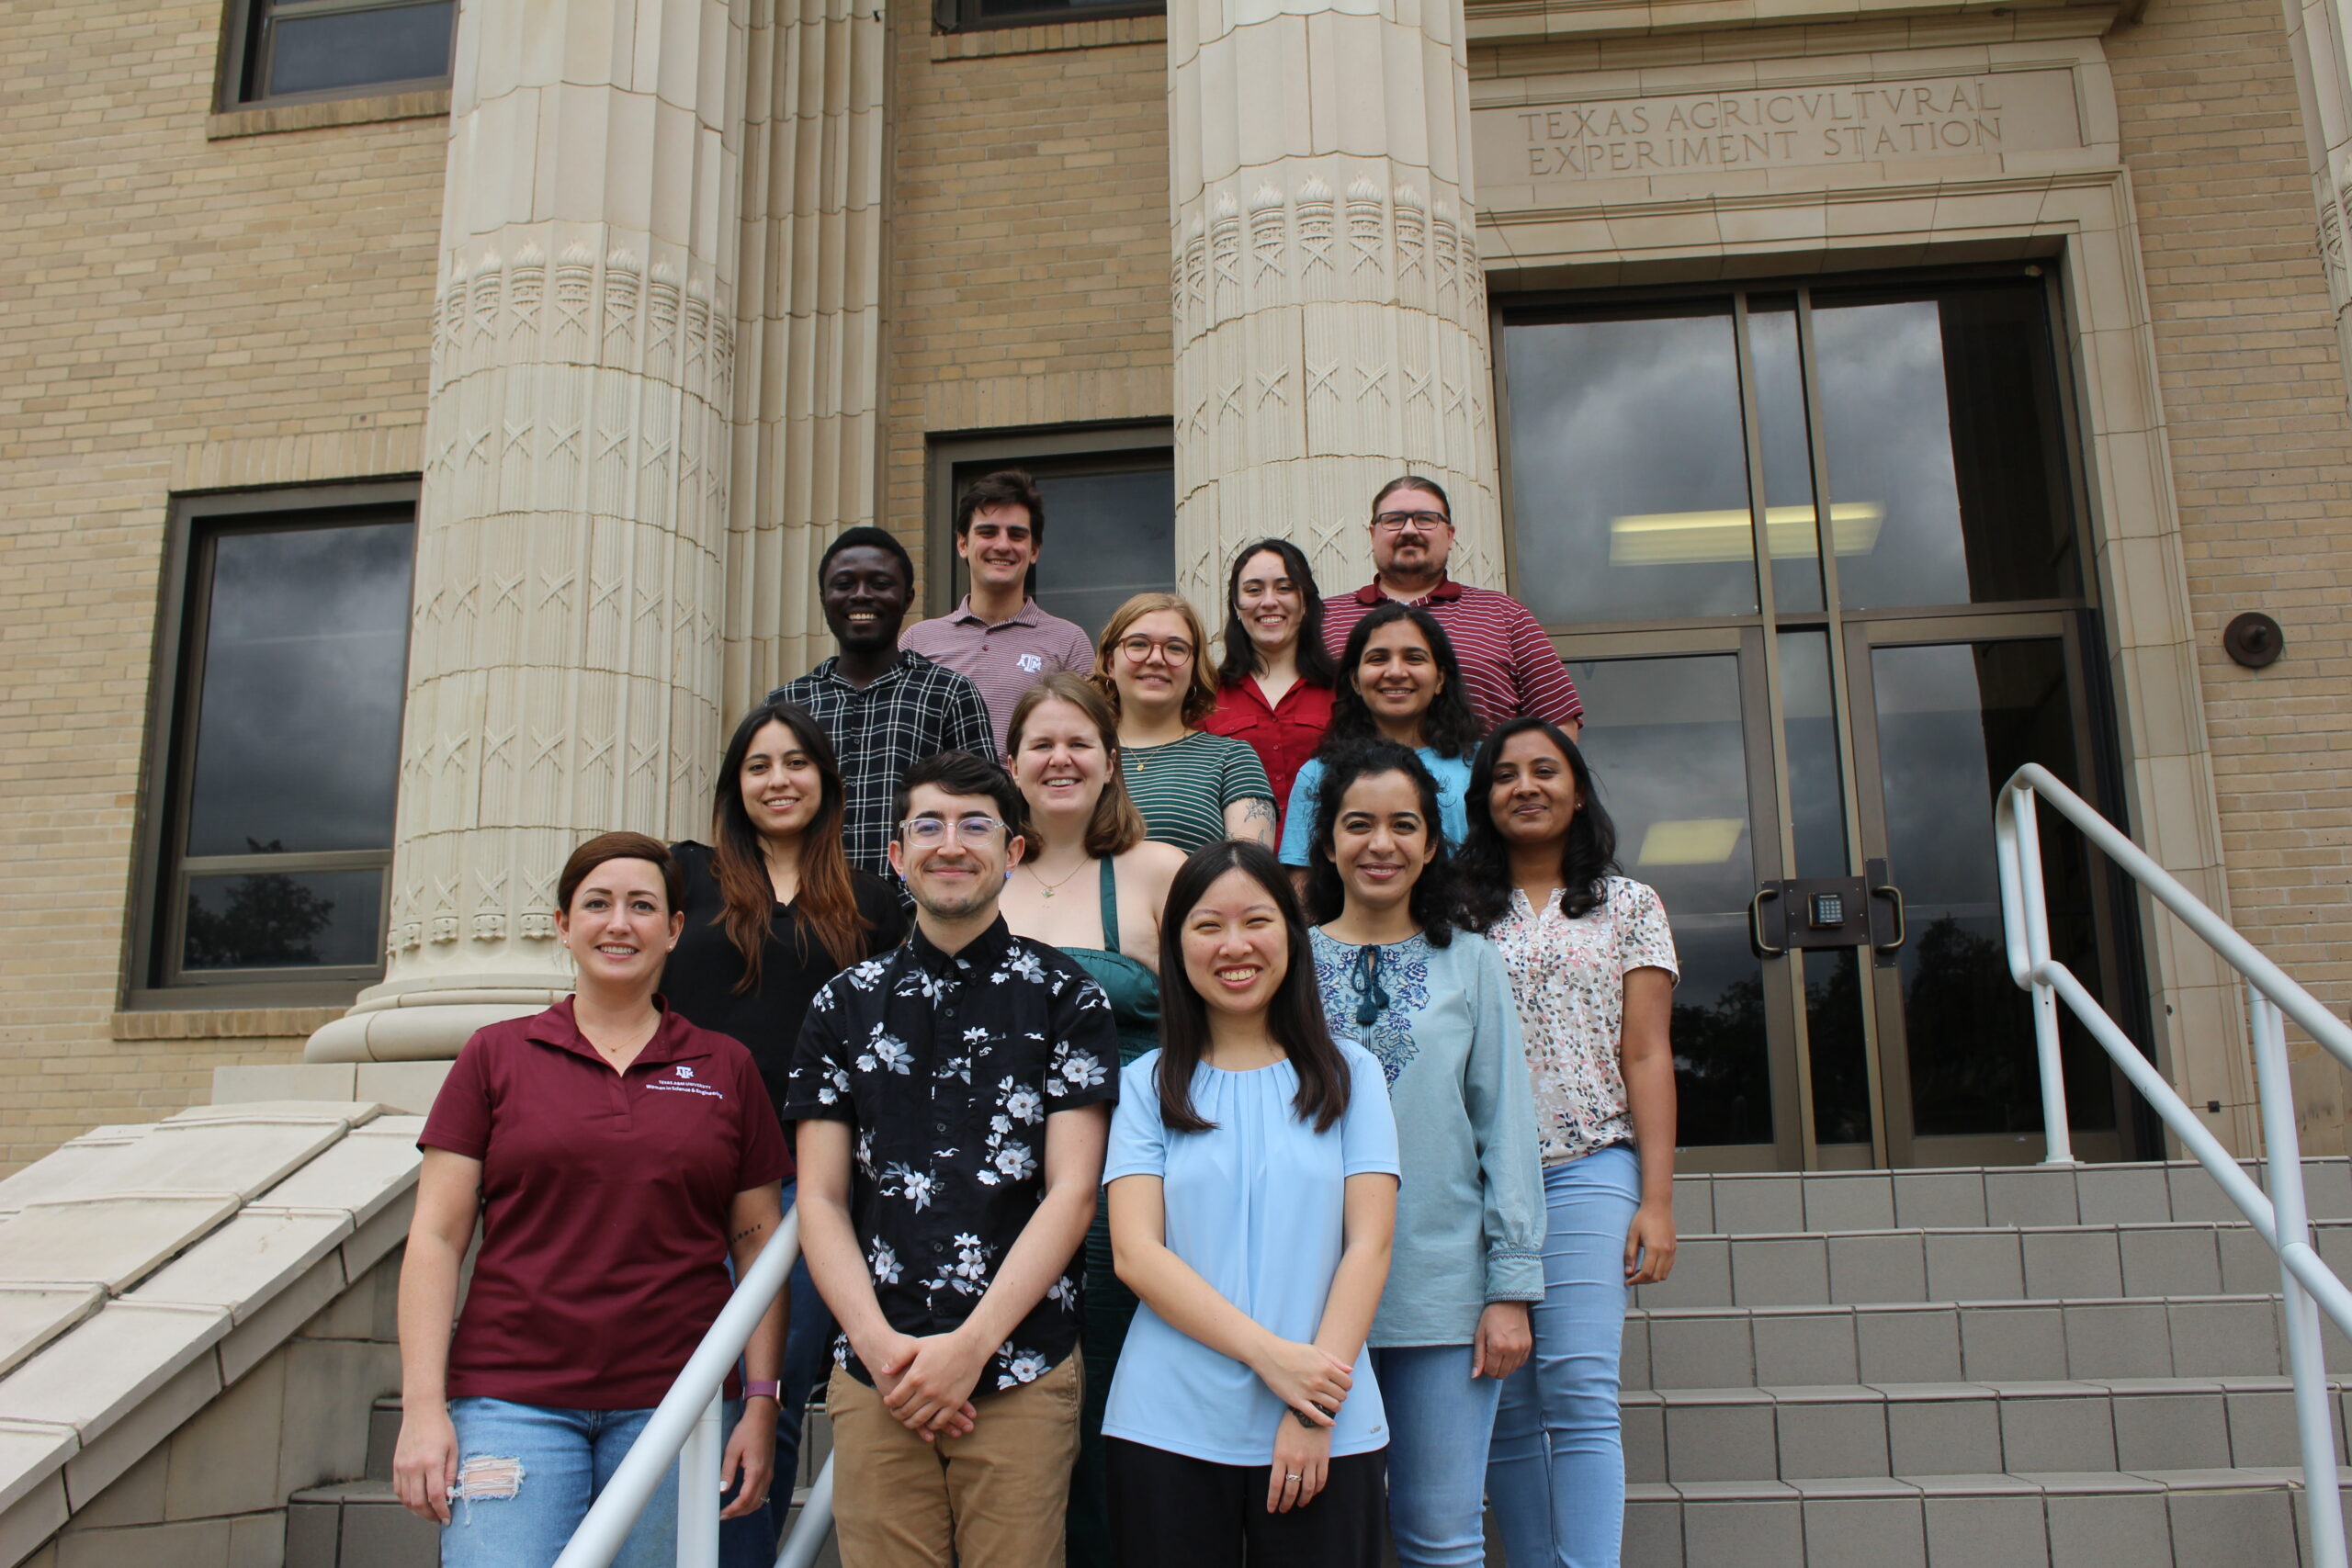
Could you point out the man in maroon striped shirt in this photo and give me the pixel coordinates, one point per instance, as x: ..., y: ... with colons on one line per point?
x: 1507, y: 662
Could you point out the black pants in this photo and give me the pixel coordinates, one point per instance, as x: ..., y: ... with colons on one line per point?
x: 1189, y: 1513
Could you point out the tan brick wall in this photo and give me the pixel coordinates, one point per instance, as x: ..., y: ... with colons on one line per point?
x: 1028, y: 239
x: 2254, y: 395
x: 173, y: 310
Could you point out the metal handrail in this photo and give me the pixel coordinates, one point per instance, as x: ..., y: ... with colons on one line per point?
x: 2307, y: 1286
x: 686, y: 1427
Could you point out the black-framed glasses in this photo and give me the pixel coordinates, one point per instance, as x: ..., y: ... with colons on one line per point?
x: 930, y: 832
x: 1393, y: 522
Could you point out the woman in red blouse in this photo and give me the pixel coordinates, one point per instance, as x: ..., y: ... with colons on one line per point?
x: 618, y: 1157
x: 1274, y: 686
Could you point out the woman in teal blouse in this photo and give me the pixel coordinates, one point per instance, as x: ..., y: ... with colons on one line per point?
x: 1432, y: 1004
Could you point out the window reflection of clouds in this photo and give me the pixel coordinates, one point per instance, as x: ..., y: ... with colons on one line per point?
x: 1888, y: 430
x: 1781, y: 442
x: 1935, y: 776
x: 299, y: 727
x: 1679, y: 759
x: 1624, y: 418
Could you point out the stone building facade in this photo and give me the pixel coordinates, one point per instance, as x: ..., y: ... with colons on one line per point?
x: 647, y: 298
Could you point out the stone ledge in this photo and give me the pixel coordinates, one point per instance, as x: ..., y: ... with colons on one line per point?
x: 274, y: 117
x: 1100, y: 32
x: 225, y: 1023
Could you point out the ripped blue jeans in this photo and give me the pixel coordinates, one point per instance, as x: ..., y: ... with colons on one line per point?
x: 519, y: 1515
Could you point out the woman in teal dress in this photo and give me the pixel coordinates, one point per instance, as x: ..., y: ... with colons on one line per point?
x: 1089, y: 884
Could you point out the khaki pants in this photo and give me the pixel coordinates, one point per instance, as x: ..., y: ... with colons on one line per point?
x: 994, y: 1499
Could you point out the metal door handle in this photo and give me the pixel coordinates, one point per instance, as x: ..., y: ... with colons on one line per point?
x: 1756, y: 922
x: 1891, y: 892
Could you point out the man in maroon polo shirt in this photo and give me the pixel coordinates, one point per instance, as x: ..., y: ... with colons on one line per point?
x: 1507, y: 662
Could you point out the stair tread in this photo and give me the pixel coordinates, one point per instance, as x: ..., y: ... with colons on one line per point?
x: 2021, y: 1387
x: 2254, y: 1478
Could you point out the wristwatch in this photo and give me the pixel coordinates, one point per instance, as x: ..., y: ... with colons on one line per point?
x: 763, y: 1391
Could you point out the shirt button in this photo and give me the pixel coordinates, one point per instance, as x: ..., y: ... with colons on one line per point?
x: 939, y: 1247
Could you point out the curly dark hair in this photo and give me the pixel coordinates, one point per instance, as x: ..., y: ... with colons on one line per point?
x: 1450, y: 728
x: 1241, y: 658
x: 1587, y: 858
x: 1436, y: 902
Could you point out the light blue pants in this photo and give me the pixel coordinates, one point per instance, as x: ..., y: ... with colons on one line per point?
x: 1556, y: 1475
x: 1440, y: 1419
x: 521, y: 1519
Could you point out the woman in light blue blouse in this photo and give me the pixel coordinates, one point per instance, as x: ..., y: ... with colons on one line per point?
x: 1434, y: 1004
x: 1398, y: 680
x: 1252, y: 1173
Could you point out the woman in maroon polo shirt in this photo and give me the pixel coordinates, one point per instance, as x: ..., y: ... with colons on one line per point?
x: 1275, y: 684
x: 618, y: 1157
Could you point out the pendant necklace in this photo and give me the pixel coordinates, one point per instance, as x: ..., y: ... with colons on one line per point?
x: 1052, y: 887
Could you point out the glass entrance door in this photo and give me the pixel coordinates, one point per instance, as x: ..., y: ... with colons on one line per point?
x: 1801, y: 759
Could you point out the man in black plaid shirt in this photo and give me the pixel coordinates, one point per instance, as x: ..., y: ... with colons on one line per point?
x: 885, y: 706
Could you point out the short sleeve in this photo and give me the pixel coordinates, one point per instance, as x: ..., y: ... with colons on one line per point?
x: 1243, y: 777
x: 1084, y: 1066
x: 460, y: 1120
x: 1139, y: 1137
x: 1298, y: 817
x: 763, y: 1156
x: 1645, y: 940
x: 817, y: 1088
x: 1368, y: 1132
x: 1078, y: 655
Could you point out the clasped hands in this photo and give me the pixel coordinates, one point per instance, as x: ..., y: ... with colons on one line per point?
x: 926, y: 1383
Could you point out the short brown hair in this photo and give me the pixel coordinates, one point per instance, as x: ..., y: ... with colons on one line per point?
x: 1200, y: 691
x: 1006, y: 487
x: 1116, y: 825
x: 1413, y: 481
x: 621, y: 846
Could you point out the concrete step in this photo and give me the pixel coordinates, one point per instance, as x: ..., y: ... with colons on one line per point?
x: 1981, y: 1263
x: 1782, y: 1202
x: 1961, y: 1428
x: 356, y: 1524
x: 2237, y: 1519
x: 2031, y: 1340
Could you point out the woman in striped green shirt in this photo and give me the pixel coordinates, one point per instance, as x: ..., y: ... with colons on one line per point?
x: 1193, y: 788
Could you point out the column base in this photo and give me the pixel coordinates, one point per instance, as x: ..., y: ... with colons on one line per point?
x: 411, y: 1021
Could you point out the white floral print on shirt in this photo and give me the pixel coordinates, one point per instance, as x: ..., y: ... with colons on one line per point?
x: 1569, y: 978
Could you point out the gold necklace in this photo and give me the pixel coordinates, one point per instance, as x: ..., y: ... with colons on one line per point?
x: 1052, y: 887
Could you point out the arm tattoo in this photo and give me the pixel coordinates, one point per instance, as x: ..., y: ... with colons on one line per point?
x: 1257, y: 821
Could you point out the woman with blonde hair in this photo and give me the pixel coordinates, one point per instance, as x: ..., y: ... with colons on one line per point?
x: 1062, y: 744
x: 1193, y: 787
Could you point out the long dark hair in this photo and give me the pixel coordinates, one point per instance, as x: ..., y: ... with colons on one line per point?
x: 1242, y: 659
x: 1586, y: 860
x: 827, y: 904
x: 1294, y: 1017
x: 1450, y: 728
x: 1436, y: 899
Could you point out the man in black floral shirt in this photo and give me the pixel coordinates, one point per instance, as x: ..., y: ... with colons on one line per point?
x: 953, y: 1099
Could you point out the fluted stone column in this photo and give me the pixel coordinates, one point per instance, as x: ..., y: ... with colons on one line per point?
x: 1331, y: 309
x: 564, y: 656
x: 809, y: 325
x: 2317, y: 33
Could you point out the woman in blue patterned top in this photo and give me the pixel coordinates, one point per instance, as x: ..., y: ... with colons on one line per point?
x: 1432, y: 1003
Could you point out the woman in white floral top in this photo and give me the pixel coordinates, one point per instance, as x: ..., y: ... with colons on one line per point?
x: 1592, y: 970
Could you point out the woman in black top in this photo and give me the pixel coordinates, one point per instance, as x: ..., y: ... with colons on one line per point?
x: 773, y: 909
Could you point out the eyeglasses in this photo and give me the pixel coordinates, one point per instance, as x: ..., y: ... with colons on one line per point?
x: 1174, y: 649
x: 1393, y: 522
x: 930, y: 832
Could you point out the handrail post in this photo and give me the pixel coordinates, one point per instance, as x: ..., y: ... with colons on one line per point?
x: 2283, y: 1163
x: 698, y: 1463
x: 806, y: 1537
x: 2057, y: 1137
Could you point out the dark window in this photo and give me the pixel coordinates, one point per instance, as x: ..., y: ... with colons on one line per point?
x: 284, y: 759
x: 1110, y: 516
x: 964, y: 15
x: 315, y: 49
